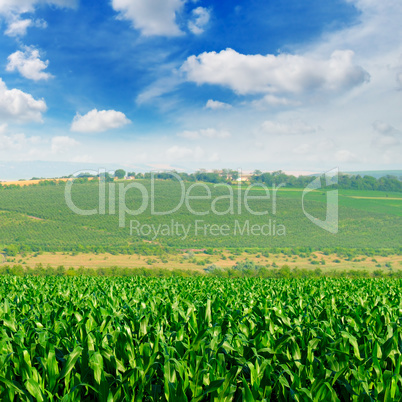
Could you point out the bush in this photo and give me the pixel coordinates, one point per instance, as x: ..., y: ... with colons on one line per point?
x: 11, y: 251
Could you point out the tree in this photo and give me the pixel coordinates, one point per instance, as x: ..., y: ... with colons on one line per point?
x: 234, y: 174
x: 11, y: 251
x: 120, y: 173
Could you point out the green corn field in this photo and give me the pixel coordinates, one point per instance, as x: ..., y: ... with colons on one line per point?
x: 200, y: 339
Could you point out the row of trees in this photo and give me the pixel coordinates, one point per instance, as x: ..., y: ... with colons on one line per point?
x: 238, y: 271
x: 345, y: 181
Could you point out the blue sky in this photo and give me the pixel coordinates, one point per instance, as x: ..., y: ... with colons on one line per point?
x: 292, y: 85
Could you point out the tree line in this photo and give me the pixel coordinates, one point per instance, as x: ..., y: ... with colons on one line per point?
x: 345, y: 181
x: 239, y: 271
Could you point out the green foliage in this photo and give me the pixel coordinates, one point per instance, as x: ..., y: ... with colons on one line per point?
x: 178, y: 339
x: 246, y: 266
x: 345, y: 181
x: 242, y: 269
x: 11, y: 251
x: 120, y: 173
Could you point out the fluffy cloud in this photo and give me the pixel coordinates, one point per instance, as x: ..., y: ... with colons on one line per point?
x: 20, y: 106
x: 215, y: 105
x: 18, y: 27
x: 12, y: 10
x: 205, y: 133
x: 28, y: 64
x: 294, y: 127
x: 97, y: 121
x: 201, y: 18
x: 285, y: 73
x: 151, y: 17
x: 62, y: 144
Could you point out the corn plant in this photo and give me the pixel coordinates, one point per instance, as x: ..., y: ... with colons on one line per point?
x: 182, y: 339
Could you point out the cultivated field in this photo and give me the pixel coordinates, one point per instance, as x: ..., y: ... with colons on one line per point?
x: 36, y: 218
x: 200, y: 339
x: 91, y: 311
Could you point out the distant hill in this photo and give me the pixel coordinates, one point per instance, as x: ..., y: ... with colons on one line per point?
x: 37, y: 218
x: 378, y: 173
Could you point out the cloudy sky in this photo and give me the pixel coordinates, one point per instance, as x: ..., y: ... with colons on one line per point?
x: 293, y: 85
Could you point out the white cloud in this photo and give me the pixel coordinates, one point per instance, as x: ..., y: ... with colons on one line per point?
x: 151, y: 17
x: 83, y: 159
x: 20, y: 106
x: 285, y: 73
x: 15, y: 142
x: 28, y: 64
x: 61, y: 144
x: 275, y: 101
x: 385, y: 141
x: 374, y: 33
x: 201, y: 17
x: 13, y: 7
x: 323, y: 146
x: 293, y: 127
x: 177, y: 152
x: 382, y: 127
x: 303, y: 149
x: 346, y: 156
x: 205, y: 133
x: 216, y: 105
x: 97, y: 121
x: 159, y: 88
x: 387, y: 135
x: 18, y: 27
x: 24, y: 147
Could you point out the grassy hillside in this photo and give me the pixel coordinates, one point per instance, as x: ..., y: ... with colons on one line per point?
x: 37, y: 217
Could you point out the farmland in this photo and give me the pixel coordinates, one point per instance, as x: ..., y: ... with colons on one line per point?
x: 200, y: 339
x: 92, y: 310
x: 36, y: 218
